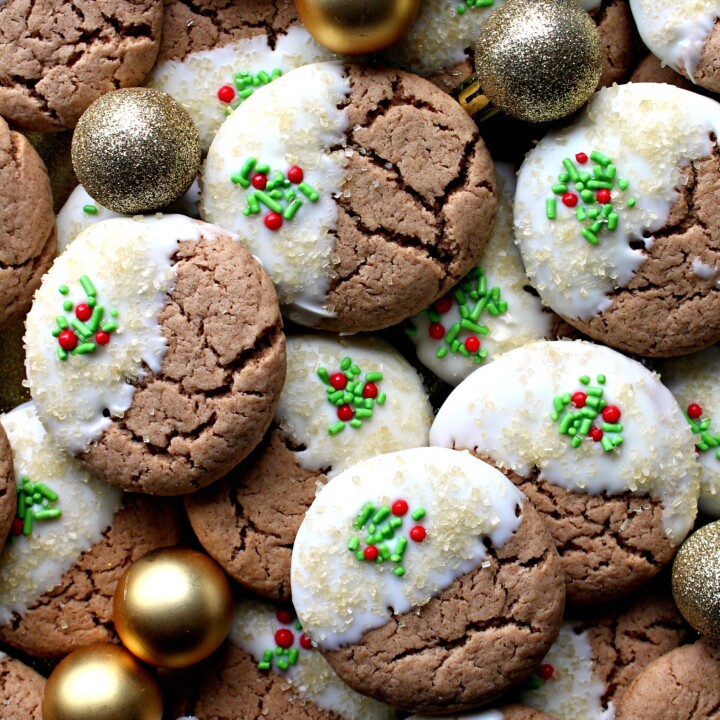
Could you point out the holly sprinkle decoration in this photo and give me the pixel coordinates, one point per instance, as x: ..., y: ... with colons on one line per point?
x: 353, y: 397
x: 275, y: 193
x: 35, y: 502
x: 285, y: 652
x: 383, y: 541
x: 701, y: 426
x: 243, y: 86
x: 595, y: 189
x: 578, y: 413
x: 544, y: 673
x: 470, y: 4
x: 85, y: 330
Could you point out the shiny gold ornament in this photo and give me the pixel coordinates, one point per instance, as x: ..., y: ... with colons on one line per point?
x: 101, y: 682
x: 173, y: 607
x: 136, y: 150
x: 12, y: 367
x: 696, y: 580
x: 537, y: 60
x: 357, y: 27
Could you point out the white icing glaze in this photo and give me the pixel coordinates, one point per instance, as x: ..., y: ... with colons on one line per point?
x: 338, y: 598
x: 574, y: 692
x: 649, y: 131
x: 311, y: 678
x: 676, y: 30
x: 482, y: 715
x: 304, y: 413
x: 32, y: 565
x: 696, y: 379
x: 130, y: 263
x: 293, y: 121
x: 195, y: 80
x: 524, y: 321
x: 504, y: 410
x: 702, y: 270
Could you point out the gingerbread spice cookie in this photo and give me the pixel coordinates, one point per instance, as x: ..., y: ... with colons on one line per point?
x: 344, y: 400
x: 427, y: 580
x: 614, y: 211
x: 155, y: 352
x: 366, y: 193
x: 598, y: 445
x: 75, y: 537
x: 21, y: 690
x: 56, y: 57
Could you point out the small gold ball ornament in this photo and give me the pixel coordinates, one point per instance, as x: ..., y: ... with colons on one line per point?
x: 136, y: 150
x: 539, y: 60
x: 357, y: 27
x: 101, y: 681
x: 173, y: 607
x: 696, y: 580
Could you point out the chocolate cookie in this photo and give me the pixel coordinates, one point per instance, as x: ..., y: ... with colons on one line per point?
x: 215, y: 54
x: 168, y: 362
x: 21, y: 690
x: 508, y: 712
x: 369, y: 192
x: 427, y: 580
x: 598, y: 445
x: 57, y: 56
x: 8, y: 501
x: 248, y: 520
x: 618, y: 258
x: 75, y: 537
x: 684, y: 35
x: 682, y: 685
x: 27, y: 225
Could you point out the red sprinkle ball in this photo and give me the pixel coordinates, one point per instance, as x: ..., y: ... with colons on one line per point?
x: 437, y: 331
x: 226, y: 94
x: 611, y: 414
x: 596, y: 434
x: 285, y: 616
x: 545, y: 671
x: 295, y: 174
x: 694, y: 411
x: 83, y: 312
x: 603, y: 196
x: 338, y: 381
x: 370, y: 391
x: 399, y: 508
x: 102, y: 338
x: 570, y: 199
x: 68, y: 340
x: 259, y: 181
x: 284, y: 638
x: 579, y: 399
x: 305, y: 642
x: 371, y: 553
x: 581, y: 157
x: 418, y: 533
x: 443, y: 304
x: 345, y: 413
x: 273, y: 221
x: 472, y: 344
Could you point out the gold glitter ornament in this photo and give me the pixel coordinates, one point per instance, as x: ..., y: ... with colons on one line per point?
x: 136, y: 150
x: 537, y: 60
x: 101, y: 682
x: 696, y: 580
x: 173, y: 607
x: 357, y: 27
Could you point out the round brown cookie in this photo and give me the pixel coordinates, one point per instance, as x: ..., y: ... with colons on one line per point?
x: 682, y: 685
x: 8, y: 499
x: 651, y: 69
x: 618, y: 37
x: 27, y: 228
x: 21, y: 690
x: 57, y: 56
x: 198, y: 334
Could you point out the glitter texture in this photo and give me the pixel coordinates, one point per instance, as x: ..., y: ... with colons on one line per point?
x: 136, y: 150
x: 539, y: 60
x: 696, y: 580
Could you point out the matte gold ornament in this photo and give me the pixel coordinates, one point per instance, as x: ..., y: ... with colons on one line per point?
x: 357, y: 27
x: 173, y: 607
x: 537, y: 60
x: 136, y: 150
x: 101, y: 682
x: 696, y: 580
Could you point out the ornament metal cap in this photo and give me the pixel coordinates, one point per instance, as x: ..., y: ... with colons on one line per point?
x: 537, y: 60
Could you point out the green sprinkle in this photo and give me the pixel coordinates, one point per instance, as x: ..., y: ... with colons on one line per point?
x: 587, y: 196
x: 612, y: 221
x: 248, y: 166
x: 560, y: 188
x: 571, y: 169
x: 623, y: 184
x: 380, y: 400
x: 399, y: 571
x: 293, y: 655
x: 580, y: 213
x: 441, y: 352
x: 345, y: 363
x: 62, y: 322
x: 96, y: 318
x: 266, y: 200
x: 238, y: 179
x: 63, y: 289
x: 68, y: 305
x: 599, y: 185
x: 324, y: 375
x: 612, y: 427
x: 551, y: 208
x: 335, y: 428
x: 418, y: 513
x: 353, y: 544
x: 363, y: 413
x: 460, y: 9
x: 84, y: 349
x: 27, y: 524
x: 46, y: 492
x: 49, y: 514
x: 610, y: 171
x: 291, y: 210
x: 81, y: 327
x: 373, y: 377
x: 601, y: 379
x: 87, y: 286
x: 308, y: 191
x: 599, y: 158
x: 607, y: 444
x: 90, y: 210
x: 381, y: 514
x: 589, y: 236
x: 631, y: 202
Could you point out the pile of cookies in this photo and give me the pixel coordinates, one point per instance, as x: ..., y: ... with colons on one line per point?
x: 437, y: 397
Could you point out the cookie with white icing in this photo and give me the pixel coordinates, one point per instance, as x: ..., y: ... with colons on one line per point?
x: 684, y: 35
x: 508, y: 712
x: 76, y: 535
x: 366, y: 193
x: 693, y: 380
x: 8, y: 500
x: 598, y: 445
x: 344, y: 400
x: 427, y: 580
x: 491, y: 311
x: 214, y: 56
x: 619, y: 258
x: 155, y: 352
x: 21, y: 690
x: 269, y: 669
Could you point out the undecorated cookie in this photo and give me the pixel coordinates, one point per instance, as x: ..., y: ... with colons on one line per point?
x: 8, y: 500
x: 366, y: 193
x: 684, y: 34
x: 598, y: 445
x: 427, y: 580
x: 248, y: 520
x: 21, y: 690
x: 27, y: 225
x: 619, y: 258
x: 59, y: 573
x: 178, y: 359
